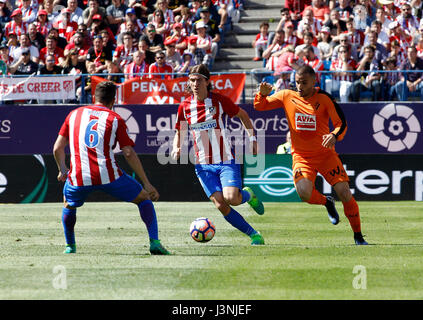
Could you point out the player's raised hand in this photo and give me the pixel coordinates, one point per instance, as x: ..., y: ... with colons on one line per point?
x: 265, y: 88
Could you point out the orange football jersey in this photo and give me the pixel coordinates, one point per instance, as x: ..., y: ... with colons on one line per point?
x: 308, y: 119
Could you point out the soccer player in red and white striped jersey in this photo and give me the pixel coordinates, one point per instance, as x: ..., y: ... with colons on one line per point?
x: 92, y: 132
x: 216, y: 168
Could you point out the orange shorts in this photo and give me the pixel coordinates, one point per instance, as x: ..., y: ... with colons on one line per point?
x: 327, y: 164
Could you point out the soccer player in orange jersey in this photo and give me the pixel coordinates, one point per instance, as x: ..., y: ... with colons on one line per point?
x: 308, y: 111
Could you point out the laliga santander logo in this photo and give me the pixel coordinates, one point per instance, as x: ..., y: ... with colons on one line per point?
x: 396, y: 128
x: 275, y: 181
x: 131, y: 123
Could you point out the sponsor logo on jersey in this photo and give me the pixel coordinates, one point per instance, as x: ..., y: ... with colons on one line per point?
x: 305, y: 121
x: 206, y: 125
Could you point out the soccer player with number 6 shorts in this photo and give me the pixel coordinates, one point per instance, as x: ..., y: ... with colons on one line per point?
x: 216, y: 168
x: 92, y: 133
x: 308, y: 111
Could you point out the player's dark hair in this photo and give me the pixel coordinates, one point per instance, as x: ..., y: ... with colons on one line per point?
x: 105, y: 92
x: 203, y: 71
x: 306, y: 70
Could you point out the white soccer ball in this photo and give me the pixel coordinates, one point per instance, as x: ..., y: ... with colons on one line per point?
x: 202, y: 229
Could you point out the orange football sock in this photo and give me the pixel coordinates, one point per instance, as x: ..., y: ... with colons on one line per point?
x: 351, y: 211
x: 317, y: 198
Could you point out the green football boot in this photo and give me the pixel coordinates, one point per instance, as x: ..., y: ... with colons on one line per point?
x: 70, y: 248
x: 254, y: 202
x: 257, y: 239
x: 156, y: 248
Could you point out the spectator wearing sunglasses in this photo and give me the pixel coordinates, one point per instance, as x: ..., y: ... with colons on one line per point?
x: 161, y: 69
x: 24, y: 65
x: 154, y: 40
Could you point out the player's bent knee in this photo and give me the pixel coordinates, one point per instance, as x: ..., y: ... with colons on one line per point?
x: 220, y: 203
x: 304, y: 193
x: 232, y: 197
x: 343, y: 191
x: 143, y: 195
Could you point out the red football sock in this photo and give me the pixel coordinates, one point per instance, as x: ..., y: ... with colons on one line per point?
x: 352, y: 213
x: 317, y: 198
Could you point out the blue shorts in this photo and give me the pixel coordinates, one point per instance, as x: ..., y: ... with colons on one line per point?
x: 214, y: 177
x: 125, y: 188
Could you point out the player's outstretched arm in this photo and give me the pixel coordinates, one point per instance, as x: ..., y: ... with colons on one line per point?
x: 60, y: 157
x: 263, y: 102
x: 136, y: 165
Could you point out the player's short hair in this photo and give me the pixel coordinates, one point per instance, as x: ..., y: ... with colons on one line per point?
x: 306, y: 70
x: 105, y: 92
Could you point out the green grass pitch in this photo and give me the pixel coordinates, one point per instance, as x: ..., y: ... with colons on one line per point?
x: 305, y: 257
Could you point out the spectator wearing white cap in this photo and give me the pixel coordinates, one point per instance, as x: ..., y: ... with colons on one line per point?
x: 397, y: 33
x: 324, y: 44
x: 205, y: 42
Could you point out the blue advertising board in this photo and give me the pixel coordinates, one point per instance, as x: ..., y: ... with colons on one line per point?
x: 376, y: 128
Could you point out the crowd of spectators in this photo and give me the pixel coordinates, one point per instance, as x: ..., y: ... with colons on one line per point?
x: 139, y: 38
x: 373, y: 46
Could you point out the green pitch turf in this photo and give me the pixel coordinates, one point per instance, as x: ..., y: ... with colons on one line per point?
x: 305, y: 257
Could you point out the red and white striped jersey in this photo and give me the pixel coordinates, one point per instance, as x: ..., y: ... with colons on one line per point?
x: 357, y: 38
x: 338, y: 65
x: 261, y: 39
x: 124, y: 55
x: 12, y: 27
x: 205, y: 121
x: 316, y: 26
x: 317, y: 66
x: 133, y: 70
x: 45, y: 28
x: 205, y: 41
x: 292, y: 40
x: 93, y: 132
x: 67, y: 30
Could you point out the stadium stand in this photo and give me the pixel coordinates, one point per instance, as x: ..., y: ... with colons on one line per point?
x: 222, y: 34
